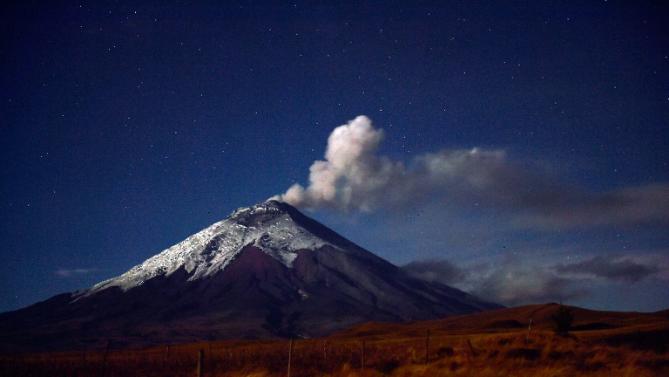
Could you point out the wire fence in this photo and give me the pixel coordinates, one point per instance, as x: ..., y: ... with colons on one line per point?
x: 292, y: 358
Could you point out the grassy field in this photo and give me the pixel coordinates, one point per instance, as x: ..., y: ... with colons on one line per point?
x: 489, y: 344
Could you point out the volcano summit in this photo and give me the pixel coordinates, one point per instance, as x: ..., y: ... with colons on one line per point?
x: 265, y: 271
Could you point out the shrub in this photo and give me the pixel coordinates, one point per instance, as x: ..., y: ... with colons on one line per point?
x: 387, y: 367
x: 445, y: 351
x: 562, y: 320
x: 524, y: 353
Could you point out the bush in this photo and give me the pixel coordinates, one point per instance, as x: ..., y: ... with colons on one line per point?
x: 524, y: 353
x: 563, y: 319
x: 445, y: 351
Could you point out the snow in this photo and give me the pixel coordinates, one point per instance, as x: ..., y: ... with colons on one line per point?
x: 213, y: 248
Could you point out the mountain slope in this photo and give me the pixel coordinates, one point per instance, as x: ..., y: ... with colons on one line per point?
x: 265, y: 271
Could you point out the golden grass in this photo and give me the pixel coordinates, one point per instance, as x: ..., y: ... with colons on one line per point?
x: 484, y: 355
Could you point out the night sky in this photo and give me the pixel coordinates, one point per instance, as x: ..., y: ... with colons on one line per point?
x: 126, y: 128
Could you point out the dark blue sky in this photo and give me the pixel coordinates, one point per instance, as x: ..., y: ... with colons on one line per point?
x: 127, y: 127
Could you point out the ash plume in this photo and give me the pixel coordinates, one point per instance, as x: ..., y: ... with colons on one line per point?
x: 353, y: 176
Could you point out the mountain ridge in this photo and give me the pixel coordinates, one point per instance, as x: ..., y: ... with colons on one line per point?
x: 218, y: 244
x: 265, y: 271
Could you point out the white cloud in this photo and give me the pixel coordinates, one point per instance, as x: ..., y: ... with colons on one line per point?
x: 354, y: 177
x: 66, y: 273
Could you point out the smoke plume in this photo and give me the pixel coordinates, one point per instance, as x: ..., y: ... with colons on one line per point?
x: 354, y: 177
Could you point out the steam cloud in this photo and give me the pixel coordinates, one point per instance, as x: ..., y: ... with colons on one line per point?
x: 354, y: 177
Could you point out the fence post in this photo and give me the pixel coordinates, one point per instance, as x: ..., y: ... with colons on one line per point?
x: 84, y: 363
x: 104, y: 358
x: 210, y: 357
x: 471, y: 349
x: 290, y: 355
x: 362, y: 354
x: 200, y: 356
x: 325, y: 352
x: 529, y: 329
x: 427, y: 346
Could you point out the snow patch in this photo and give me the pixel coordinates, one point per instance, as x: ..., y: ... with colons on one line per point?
x: 213, y: 248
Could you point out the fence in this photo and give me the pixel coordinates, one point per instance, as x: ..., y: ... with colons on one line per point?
x: 292, y: 358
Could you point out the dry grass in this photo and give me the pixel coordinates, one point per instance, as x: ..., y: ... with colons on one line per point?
x: 496, y: 354
x: 494, y: 343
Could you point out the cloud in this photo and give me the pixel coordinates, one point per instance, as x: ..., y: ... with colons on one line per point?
x: 518, y: 285
x: 645, y: 204
x: 66, y: 273
x: 354, y: 177
x: 512, y: 281
x: 509, y: 282
x: 441, y: 271
x: 622, y: 269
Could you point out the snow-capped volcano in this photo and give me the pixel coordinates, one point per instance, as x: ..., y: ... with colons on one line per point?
x: 267, y: 226
x: 265, y: 271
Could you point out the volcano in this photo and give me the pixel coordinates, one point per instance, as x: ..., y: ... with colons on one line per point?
x: 265, y: 271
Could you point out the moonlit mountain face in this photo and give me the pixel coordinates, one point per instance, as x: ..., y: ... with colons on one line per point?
x: 265, y: 271
x: 267, y: 226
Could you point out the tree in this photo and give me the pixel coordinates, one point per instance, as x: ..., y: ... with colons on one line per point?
x: 562, y: 319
